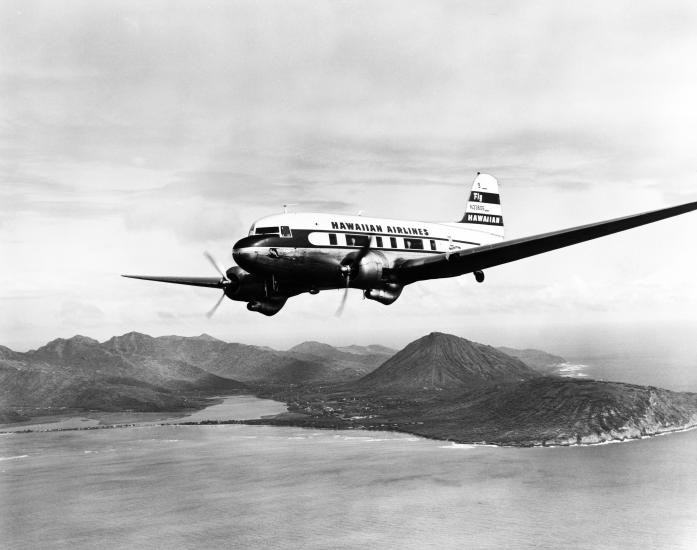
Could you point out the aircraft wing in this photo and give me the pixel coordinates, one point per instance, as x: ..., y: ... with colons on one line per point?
x: 210, y: 282
x: 482, y: 257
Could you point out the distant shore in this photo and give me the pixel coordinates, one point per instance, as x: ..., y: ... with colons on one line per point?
x: 224, y: 407
x: 271, y: 422
x: 284, y: 420
x: 289, y: 419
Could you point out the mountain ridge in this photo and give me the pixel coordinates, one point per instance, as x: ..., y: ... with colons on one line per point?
x: 142, y: 372
x: 439, y: 386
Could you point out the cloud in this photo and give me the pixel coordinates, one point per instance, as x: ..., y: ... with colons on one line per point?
x: 135, y: 135
x: 167, y: 316
x: 192, y: 219
x: 78, y: 313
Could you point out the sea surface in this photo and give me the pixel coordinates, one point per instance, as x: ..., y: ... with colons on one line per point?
x: 663, y: 355
x: 238, y: 486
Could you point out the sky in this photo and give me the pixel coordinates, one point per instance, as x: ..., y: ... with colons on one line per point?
x: 136, y: 135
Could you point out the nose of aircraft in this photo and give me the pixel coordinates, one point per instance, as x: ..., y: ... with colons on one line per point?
x: 243, y: 252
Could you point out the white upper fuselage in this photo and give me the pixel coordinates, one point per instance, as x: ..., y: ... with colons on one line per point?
x: 403, y: 236
x: 302, y: 243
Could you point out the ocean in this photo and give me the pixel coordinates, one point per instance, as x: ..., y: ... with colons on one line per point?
x: 237, y: 486
x: 663, y: 355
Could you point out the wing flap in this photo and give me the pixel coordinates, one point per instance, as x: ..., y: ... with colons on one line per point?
x: 483, y: 257
x: 209, y: 282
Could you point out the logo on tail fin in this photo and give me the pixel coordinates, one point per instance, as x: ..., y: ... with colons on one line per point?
x: 483, y: 219
x: 484, y: 205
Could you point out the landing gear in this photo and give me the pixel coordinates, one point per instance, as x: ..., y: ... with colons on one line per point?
x: 267, y: 307
x: 479, y: 276
x: 270, y: 286
x: 314, y: 291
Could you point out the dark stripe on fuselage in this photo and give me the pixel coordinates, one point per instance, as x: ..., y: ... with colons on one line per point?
x: 300, y: 239
x: 480, y: 196
x: 388, y: 235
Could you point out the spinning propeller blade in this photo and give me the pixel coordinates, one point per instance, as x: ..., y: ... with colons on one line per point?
x: 215, y: 307
x: 340, y: 309
x: 210, y: 258
x: 350, y: 269
x: 224, y: 281
x: 362, y: 253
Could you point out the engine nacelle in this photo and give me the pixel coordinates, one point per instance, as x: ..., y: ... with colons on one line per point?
x: 370, y: 269
x: 268, y: 307
x: 234, y: 275
x: 243, y: 286
x: 384, y: 296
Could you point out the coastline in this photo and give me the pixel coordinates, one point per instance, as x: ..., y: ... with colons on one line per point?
x: 218, y: 405
x: 290, y: 419
x: 397, y: 429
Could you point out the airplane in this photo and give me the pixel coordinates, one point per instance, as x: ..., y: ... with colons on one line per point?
x: 288, y: 254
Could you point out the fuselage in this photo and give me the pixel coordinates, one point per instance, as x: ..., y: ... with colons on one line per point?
x: 311, y: 246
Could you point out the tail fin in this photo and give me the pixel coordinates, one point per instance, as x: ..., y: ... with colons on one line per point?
x: 483, y: 212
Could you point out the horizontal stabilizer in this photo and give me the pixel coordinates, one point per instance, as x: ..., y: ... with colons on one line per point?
x: 210, y: 282
x: 483, y: 257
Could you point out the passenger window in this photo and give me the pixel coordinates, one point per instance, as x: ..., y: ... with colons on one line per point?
x: 357, y: 240
x: 393, y: 242
x: 417, y: 244
x: 285, y: 231
x: 433, y: 244
x: 378, y: 242
x: 332, y: 239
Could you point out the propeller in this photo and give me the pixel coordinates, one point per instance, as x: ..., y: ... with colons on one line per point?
x: 210, y: 258
x: 349, y: 268
x: 224, y: 281
x: 215, y: 307
x: 340, y: 309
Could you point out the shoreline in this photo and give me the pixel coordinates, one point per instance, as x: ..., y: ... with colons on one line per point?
x: 267, y: 411
x: 266, y: 421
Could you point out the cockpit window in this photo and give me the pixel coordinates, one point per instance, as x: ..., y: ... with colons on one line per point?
x: 267, y: 230
x: 285, y: 231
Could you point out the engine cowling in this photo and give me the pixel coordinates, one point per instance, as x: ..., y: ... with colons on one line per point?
x: 385, y: 296
x: 234, y: 277
x: 243, y: 286
x: 370, y: 269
